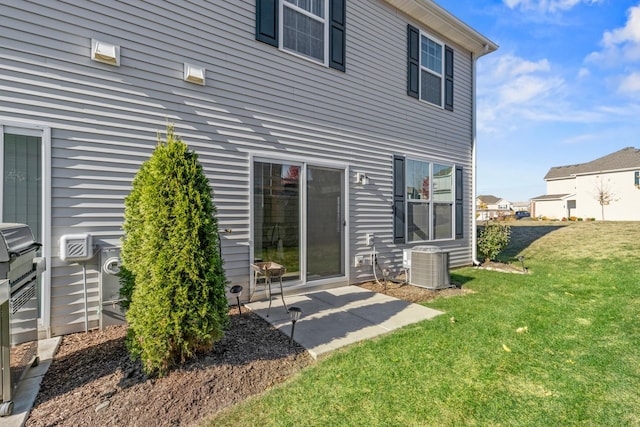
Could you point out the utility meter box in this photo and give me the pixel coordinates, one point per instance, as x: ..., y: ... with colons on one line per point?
x: 110, y: 298
x: 76, y: 247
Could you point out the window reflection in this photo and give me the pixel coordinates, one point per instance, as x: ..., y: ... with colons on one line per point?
x: 276, y: 215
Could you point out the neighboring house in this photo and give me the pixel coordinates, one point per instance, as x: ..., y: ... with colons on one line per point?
x: 521, y: 206
x: 492, y: 207
x: 576, y: 190
x: 319, y: 124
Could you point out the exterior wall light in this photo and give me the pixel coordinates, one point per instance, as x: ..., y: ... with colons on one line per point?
x: 194, y: 74
x: 362, y: 178
x: 105, y: 52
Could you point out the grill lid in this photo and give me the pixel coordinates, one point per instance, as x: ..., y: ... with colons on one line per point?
x: 15, y: 239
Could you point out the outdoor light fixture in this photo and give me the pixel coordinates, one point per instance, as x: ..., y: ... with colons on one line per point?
x: 362, y: 178
x: 237, y: 291
x: 521, y: 259
x: 105, y: 52
x: 294, y: 313
x: 194, y: 74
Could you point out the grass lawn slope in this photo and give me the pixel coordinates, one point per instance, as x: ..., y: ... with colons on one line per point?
x: 558, y: 346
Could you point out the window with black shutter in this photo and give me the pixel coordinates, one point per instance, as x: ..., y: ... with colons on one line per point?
x: 299, y: 27
x: 429, y: 69
x: 398, y: 200
x: 459, y: 205
x: 448, y: 78
x: 427, y: 200
x: 337, y: 35
x: 267, y: 21
x: 413, y: 61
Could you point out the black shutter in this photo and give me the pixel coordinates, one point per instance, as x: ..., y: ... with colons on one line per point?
x: 413, y: 62
x: 448, y: 78
x: 337, y: 34
x: 398, y: 200
x: 459, y: 208
x: 267, y: 21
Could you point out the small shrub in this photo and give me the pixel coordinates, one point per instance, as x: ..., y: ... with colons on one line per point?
x: 493, y: 239
x: 173, y: 280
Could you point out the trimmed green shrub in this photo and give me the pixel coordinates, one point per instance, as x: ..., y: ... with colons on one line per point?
x: 172, y: 278
x: 493, y: 239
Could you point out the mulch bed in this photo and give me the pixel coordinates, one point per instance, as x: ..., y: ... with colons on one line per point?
x: 93, y: 382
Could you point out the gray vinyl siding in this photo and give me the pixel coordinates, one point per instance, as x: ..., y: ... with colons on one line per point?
x: 257, y: 100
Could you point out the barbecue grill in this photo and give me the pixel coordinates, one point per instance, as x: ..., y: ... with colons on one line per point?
x: 19, y: 269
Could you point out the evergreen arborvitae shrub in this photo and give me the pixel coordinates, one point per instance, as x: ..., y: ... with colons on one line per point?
x: 173, y: 283
x: 493, y: 239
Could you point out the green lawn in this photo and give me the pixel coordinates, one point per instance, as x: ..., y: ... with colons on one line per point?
x: 577, y: 363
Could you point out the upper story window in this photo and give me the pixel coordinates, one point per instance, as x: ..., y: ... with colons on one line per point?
x: 313, y: 29
x: 430, y: 69
x: 431, y: 85
x: 304, y: 28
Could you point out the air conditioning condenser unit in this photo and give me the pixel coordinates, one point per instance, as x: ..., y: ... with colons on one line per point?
x: 430, y: 267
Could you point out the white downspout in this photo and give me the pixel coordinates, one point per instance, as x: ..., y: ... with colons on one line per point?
x: 474, y: 226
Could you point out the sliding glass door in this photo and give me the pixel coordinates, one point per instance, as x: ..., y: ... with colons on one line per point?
x: 298, y: 219
x: 276, y: 215
x: 23, y: 184
x: 325, y: 223
x: 22, y: 181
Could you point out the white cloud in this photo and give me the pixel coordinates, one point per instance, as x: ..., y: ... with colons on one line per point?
x: 583, y: 72
x: 513, y: 89
x: 547, y: 5
x: 620, y: 44
x: 527, y: 89
x: 509, y: 66
x: 630, y: 84
x: 630, y: 33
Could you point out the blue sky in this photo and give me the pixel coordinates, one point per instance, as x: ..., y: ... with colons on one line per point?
x: 563, y: 88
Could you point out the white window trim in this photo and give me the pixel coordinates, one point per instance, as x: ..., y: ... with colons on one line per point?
x: 303, y: 162
x: 44, y: 133
x: 281, y: 47
x: 430, y: 201
x: 441, y: 75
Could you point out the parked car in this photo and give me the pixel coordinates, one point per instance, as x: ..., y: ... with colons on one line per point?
x: 522, y: 214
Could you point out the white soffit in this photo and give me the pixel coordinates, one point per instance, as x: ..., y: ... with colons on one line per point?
x: 433, y: 16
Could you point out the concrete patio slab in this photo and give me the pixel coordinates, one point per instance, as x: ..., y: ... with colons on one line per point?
x: 338, y: 317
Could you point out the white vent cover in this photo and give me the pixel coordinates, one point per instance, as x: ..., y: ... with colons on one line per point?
x: 430, y: 267
x: 76, y: 247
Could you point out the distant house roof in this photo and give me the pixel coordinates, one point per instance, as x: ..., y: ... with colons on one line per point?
x: 627, y: 158
x: 551, y: 197
x: 490, y: 200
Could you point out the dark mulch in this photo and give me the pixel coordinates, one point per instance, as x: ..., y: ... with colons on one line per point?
x: 93, y: 382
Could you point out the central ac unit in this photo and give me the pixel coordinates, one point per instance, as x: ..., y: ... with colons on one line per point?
x: 430, y: 267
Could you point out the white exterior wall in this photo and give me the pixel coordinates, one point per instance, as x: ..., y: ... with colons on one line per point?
x: 258, y: 101
x: 561, y: 186
x: 551, y: 209
x: 626, y: 197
